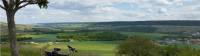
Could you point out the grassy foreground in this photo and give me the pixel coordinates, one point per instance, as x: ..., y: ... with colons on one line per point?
x: 86, y: 48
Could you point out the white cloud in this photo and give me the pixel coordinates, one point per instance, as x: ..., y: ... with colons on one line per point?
x: 105, y: 10
x: 166, y: 2
x: 109, y: 10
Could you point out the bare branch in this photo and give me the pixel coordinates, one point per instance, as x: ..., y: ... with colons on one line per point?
x: 5, y: 3
x: 24, y: 4
x: 20, y: 2
x: 11, y: 3
x: 17, y: 4
x: 2, y: 7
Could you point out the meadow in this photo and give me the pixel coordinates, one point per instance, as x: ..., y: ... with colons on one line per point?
x: 35, y: 46
x: 52, y: 37
x: 86, y: 48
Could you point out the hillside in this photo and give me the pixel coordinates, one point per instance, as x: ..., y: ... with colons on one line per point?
x: 20, y: 28
x: 126, y: 26
x: 167, y: 22
x: 133, y: 26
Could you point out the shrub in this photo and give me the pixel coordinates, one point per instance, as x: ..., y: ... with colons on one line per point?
x: 145, y: 47
x: 137, y: 47
x: 24, y: 38
x: 174, y: 50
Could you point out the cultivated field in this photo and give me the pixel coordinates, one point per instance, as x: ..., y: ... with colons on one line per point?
x: 86, y: 48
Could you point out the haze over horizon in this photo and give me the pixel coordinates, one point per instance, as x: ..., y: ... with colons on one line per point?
x: 108, y: 10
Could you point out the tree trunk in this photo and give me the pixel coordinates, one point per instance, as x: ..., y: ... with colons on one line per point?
x: 12, y: 33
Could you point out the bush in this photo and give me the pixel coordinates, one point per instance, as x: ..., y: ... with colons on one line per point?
x: 24, y: 38
x: 5, y: 39
x: 137, y: 47
x: 145, y: 47
x: 174, y: 50
x: 94, y: 36
x: 62, y: 40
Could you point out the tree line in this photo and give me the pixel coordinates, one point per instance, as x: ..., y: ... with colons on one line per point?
x: 93, y: 36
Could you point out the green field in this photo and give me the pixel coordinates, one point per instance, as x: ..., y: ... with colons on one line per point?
x: 41, y: 37
x: 87, y: 48
x: 52, y: 37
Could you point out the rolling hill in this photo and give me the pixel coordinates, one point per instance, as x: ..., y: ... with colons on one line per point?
x: 133, y: 26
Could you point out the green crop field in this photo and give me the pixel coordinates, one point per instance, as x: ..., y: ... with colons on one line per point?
x: 52, y: 37
x: 41, y: 37
x: 34, y: 46
x: 86, y: 48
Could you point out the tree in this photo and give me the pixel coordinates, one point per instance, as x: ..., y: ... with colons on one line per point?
x: 11, y: 7
x: 146, y: 47
x: 175, y: 50
x: 137, y: 47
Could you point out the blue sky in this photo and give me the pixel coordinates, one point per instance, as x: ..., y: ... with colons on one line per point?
x: 108, y: 10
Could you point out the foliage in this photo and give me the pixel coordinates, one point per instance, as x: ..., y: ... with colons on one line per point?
x: 132, y: 26
x: 145, y: 47
x: 46, y: 30
x: 174, y: 50
x: 94, y: 36
x: 137, y: 47
x: 42, y: 3
x: 5, y: 39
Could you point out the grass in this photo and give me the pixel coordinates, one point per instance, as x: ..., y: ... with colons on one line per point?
x: 52, y: 37
x: 25, y: 50
x: 86, y: 48
x: 41, y: 37
x: 98, y: 47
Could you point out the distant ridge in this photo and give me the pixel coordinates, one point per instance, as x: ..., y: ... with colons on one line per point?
x: 159, y: 22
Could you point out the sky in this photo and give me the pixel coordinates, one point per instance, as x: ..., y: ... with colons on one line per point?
x: 107, y: 10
